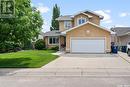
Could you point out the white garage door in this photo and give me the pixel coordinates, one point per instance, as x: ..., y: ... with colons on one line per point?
x: 88, y: 46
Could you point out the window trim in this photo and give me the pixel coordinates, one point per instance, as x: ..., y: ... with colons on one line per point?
x: 65, y: 24
x: 80, y: 19
x: 52, y: 40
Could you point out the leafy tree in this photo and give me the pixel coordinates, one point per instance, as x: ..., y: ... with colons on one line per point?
x: 56, y: 14
x: 25, y: 26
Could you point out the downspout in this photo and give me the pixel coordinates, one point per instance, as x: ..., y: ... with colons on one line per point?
x: 59, y: 44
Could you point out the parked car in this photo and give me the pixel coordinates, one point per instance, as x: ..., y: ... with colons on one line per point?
x: 128, y: 49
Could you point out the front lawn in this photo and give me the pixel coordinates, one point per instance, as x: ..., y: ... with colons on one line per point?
x: 26, y: 59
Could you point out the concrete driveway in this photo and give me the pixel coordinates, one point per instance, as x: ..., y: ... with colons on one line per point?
x: 89, y: 61
x: 72, y: 70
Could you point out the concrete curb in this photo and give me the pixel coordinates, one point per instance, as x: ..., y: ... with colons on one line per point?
x: 123, y: 57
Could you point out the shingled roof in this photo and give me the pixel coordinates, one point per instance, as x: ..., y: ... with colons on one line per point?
x: 65, y: 18
x: 52, y: 33
x: 121, y: 31
x: 70, y: 17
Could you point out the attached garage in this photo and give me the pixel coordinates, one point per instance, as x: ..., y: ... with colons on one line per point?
x: 88, y: 45
x: 88, y: 38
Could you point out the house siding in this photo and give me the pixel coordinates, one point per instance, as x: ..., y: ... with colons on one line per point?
x: 123, y: 40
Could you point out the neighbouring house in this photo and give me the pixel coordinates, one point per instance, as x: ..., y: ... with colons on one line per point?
x: 121, y: 36
x: 40, y: 36
x: 80, y: 33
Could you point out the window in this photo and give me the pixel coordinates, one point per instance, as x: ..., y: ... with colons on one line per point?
x: 81, y: 21
x: 53, y: 40
x: 67, y: 24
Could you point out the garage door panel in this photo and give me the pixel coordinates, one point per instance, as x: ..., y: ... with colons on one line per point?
x: 87, y: 46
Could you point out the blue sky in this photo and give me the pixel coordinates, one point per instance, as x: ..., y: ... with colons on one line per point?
x: 115, y: 12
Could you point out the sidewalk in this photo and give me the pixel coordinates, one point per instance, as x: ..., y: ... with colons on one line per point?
x: 87, y: 72
x: 124, y: 56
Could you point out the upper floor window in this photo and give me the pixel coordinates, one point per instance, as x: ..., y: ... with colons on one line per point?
x: 81, y: 21
x: 67, y: 24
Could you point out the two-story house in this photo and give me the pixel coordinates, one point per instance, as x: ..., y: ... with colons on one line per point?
x: 80, y: 33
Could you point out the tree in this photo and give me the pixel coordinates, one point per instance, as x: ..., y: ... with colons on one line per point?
x: 56, y: 14
x: 24, y: 27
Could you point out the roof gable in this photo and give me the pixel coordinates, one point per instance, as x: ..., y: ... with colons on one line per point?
x: 89, y: 16
x: 64, y: 32
x: 86, y: 11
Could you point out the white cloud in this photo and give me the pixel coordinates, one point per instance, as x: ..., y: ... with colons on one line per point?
x: 120, y: 25
x: 108, y: 21
x: 106, y: 13
x: 124, y: 14
x: 42, y: 8
x: 45, y: 26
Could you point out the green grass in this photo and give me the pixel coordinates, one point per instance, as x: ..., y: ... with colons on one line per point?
x: 26, y: 59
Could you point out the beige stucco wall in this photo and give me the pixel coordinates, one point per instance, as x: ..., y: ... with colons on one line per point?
x: 47, y: 44
x: 61, y: 41
x: 94, y: 32
x: 79, y: 16
x: 61, y: 25
x: 95, y: 19
x: 46, y: 41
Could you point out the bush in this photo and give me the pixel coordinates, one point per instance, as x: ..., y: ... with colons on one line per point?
x: 56, y: 48
x: 9, y: 47
x: 40, y: 44
x: 28, y: 45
